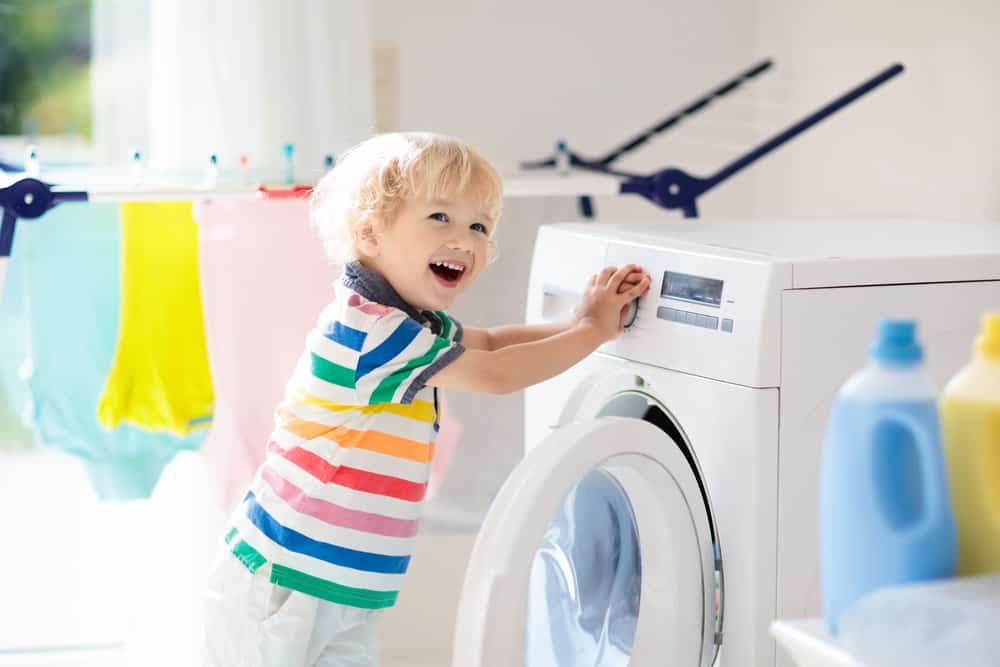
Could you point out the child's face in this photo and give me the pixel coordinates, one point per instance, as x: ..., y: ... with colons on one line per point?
x: 433, y: 250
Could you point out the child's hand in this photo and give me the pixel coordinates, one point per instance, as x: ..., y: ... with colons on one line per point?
x: 606, y: 297
x: 633, y: 279
x: 630, y: 281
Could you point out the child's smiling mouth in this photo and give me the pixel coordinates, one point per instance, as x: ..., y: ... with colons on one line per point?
x: 448, y: 272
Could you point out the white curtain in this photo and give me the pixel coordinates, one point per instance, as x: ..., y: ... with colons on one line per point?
x: 232, y: 77
x: 119, y: 78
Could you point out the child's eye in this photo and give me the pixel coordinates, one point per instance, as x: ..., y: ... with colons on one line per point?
x: 479, y: 227
x: 440, y: 217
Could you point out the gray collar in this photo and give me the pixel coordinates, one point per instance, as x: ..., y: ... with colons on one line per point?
x: 375, y: 288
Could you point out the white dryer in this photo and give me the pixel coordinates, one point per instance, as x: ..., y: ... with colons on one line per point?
x: 665, y: 511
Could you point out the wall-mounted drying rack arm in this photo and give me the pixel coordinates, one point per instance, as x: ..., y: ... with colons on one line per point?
x: 31, y: 198
x: 28, y: 198
x: 673, y: 188
x: 692, y: 108
x: 7, y: 232
x: 10, y: 166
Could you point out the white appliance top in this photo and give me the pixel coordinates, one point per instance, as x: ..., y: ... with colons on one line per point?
x: 831, y: 253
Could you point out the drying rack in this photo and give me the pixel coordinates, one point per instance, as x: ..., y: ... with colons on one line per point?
x: 669, y: 188
x: 674, y: 188
x: 603, y: 164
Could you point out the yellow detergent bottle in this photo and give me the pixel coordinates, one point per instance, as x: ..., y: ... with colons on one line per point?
x: 970, y: 425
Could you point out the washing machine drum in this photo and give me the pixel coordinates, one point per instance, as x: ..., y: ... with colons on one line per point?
x: 598, y: 550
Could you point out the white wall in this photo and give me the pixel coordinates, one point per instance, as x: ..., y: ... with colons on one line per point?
x: 926, y: 144
x: 511, y: 78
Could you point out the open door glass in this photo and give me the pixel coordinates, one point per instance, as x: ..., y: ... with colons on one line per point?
x: 597, y: 551
x: 586, y: 579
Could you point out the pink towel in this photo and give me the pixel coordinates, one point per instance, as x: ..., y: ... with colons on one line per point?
x: 264, y: 281
x: 444, y: 447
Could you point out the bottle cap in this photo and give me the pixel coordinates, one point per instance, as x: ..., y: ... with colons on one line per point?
x: 896, y: 343
x: 988, y: 343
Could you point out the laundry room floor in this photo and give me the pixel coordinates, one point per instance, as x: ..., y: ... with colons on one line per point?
x: 91, y: 593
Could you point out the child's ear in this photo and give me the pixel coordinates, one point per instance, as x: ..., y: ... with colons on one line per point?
x: 367, y: 239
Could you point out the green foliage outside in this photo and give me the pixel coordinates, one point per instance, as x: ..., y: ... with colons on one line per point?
x: 45, y: 67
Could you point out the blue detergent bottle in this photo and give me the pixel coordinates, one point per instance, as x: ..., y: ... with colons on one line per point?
x: 884, y: 512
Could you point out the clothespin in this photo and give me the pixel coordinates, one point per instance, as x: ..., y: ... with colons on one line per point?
x: 32, y: 167
x: 289, y: 172
x: 212, y: 171
x: 562, y: 158
x: 135, y: 168
x: 244, y: 169
x: 329, y: 162
x: 293, y: 192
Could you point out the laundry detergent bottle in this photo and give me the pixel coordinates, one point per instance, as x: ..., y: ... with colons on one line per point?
x: 884, y: 513
x: 970, y: 425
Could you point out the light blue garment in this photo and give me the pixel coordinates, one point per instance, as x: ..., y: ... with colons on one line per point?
x: 15, y: 431
x: 69, y: 259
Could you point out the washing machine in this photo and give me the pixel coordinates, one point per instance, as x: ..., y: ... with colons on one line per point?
x: 665, y: 510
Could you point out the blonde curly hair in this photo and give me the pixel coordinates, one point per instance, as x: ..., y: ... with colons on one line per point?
x: 373, y: 179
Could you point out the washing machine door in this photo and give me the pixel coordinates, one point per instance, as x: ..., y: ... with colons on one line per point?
x: 596, y: 551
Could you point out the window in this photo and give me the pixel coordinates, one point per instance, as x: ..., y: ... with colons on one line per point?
x: 45, y: 53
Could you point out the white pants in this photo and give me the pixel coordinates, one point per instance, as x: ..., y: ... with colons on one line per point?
x: 250, y: 622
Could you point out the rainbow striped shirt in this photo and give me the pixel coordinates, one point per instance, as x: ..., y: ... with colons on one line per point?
x: 335, y: 506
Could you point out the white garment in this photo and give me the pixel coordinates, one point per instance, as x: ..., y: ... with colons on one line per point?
x: 927, y: 624
x: 250, y: 622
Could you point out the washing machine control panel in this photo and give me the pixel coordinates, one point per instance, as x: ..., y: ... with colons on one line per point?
x: 709, y: 311
x: 706, y: 314
x: 699, y: 290
x: 692, y: 318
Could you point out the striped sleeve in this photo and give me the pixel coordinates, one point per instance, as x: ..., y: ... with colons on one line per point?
x: 399, y: 356
x: 451, y: 328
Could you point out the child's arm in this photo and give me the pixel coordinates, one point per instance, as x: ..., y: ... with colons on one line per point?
x: 496, y: 338
x: 522, y: 364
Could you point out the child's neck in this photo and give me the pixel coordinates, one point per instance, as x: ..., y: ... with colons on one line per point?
x: 375, y: 287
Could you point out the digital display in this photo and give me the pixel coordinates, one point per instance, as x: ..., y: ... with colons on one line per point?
x: 696, y: 289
